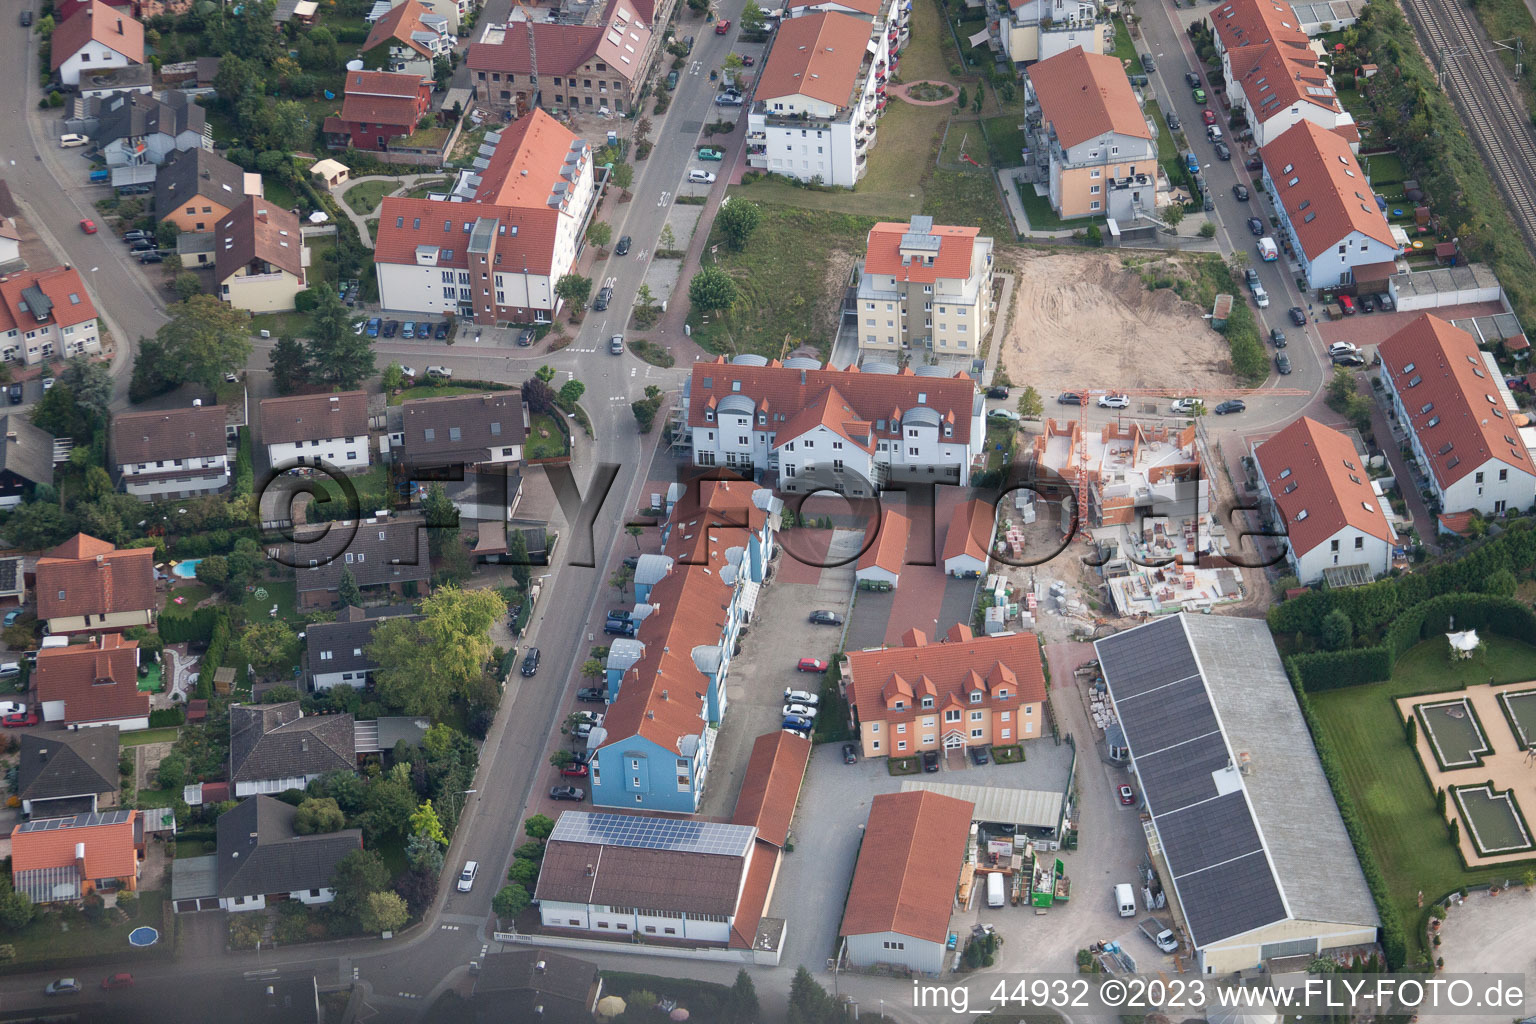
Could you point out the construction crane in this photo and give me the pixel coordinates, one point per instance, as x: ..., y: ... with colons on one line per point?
x: 533, y: 57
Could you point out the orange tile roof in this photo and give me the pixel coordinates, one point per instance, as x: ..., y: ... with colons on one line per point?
x: 782, y: 392
x: 97, y: 682
x: 754, y: 894
x: 1083, y: 95
x: 771, y: 788
x: 94, y: 578
x: 971, y: 529
x: 831, y: 410
x: 1331, y: 197
x: 1459, y: 523
x: 909, y: 866
x: 71, y: 302
x: 397, y: 27
x: 1454, y: 409
x: 109, y: 845
x: 889, y: 551
x: 1243, y: 23
x: 869, y: 7
x: 954, y: 667
x: 816, y: 55
x: 953, y: 262
x: 529, y: 161
x: 712, y: 516
x: 1315, y: 477
x: 98, y: 22
x: 1275, y: 78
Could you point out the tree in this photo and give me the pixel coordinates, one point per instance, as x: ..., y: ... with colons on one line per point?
x: 575, y: 289
x: 737, y: 220
x: 524, y: 872
x: 808, y: 1001
x: 600, y: 233
x: 425, y: 823
x: 744, y: 1005
x: 622, y: 176
x: 439, y: 509
x: 90, y: 383
x: 1173, y: 214
x: 288, y: 364
x: 1337, y: 630
x: 213, y: 570
x: 16, y: 909
x: 388, y: 804
x: 977, y: 100
x: 620, y: 579
x: 635, y: 530
x: 204, y: 340
x: 667, y: 241
x: 539, y: 396
x: 545, y: 373
x: 172, y: 772
x: 358, y: 874
x: 270, y: 646
x: 424, y: 854
x: 187, y: 285
x: 1501, y: 584
x: 963, y: 100
x: 348, y: 590
x: 538, y: 826
x: 338, y: 357
x: 571, y: 392
x: 511, y: 900
x: 1030, y: 405
x: 57, y: 412
x: 426, y: 662
x: 383, y: 912
x: 712, y: 289
x: 732, y: 66
x: 393, y: 376
x: 317, y: 815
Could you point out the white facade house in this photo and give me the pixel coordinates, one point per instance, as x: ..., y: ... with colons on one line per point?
x: 172, y: 454
x: 317, y: 430
x: 137, y: 128
x: 1460, y: 418
x: 262, y: 859
x: 1039, y: 29
x: 95, y: 38
x: 46, y: 314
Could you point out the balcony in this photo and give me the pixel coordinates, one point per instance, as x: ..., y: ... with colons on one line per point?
x: 757, y: 136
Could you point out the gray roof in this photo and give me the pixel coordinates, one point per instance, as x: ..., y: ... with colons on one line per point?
x: 377, y: 553
x: 652, y: 569
x: 463, y: 429
x: 195, y: 172
x: 29, y: 454
x: 259, y: 852
x: 346, y: 638
x: 132, y: 115
x: 400, y: 727
x: 61, y: 764
x: 12, y: 575
x: 193, y: 242
x: 513, y: 982
x: 194, y: 877
x: 273, y: 741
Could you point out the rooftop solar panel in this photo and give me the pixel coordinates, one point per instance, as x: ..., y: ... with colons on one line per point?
x: 1180, y: 776
x: 1159, y: 655
x: 645, y: 832
x: 77, y: 821
x: 1230, y: 898
x: 1209, y: 833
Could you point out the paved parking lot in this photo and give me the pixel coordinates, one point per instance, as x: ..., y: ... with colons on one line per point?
x: 881, y: 618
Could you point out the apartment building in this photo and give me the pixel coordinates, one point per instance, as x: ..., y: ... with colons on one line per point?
x: 178, y: 453
x: 315, y: 430
x: 46, y: 314
x: 409, y: 39
x: 260, y: 259
x: 925, y: 286
x: 1031, y: 30
x: 1101, y: 153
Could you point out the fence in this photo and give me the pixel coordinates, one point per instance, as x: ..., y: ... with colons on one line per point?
x: 316, y: 230
x: 759, y: 957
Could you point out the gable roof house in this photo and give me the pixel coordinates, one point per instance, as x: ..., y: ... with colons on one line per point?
x: 259, y: 257
x: 96, y: 37
x: 883, y: 557
x: 1272, y: 71
x: 62, y: 773
x: 262, y: 857
x: 387, y: 558
x: 60, y: 860
x: 196, y: 189
x: 92, y: 684
x: 171, y: 454
x: 378, y: 108
x: 968, y: 543
x: 138, y: 128
x: 26, y: 459
x: 408, y: 38
x: 1327, y: 209
x: 337, y: 650
x: 475, y: 442
x: 46, y: 313
x: 317, y: 430
x: 87, y: 585
x: 1460, y: 418
x: 276, y: 747
x: 535, y: 984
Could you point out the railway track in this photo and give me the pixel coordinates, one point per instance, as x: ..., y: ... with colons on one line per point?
x: 1495, y: 116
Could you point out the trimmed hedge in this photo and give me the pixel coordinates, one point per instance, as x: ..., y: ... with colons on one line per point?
x: 218, y: 646
x: 192, y: 627
x: 1334, y: 670
x: 162, y: 717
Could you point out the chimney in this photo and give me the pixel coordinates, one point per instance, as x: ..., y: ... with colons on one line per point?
x: 10, y: 435
x: 663, y: 694
x: 650, y: 714
x: 101, y: 559
x: 304, y: 744
x: 119, y: 26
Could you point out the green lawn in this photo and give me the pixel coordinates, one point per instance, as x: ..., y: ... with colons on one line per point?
x: 1386, y: 782
x: 1125, y: 47
x: 540, y: 447
x: 1167, y: 148
x: 421, y: 188
x: 157, y: 798
x: 279, y: 193
x: 1006, y: 140
x: 966, y: 197
x: 322, y: 264
x: 292, y: 324
x: 364, y: 198
x: 370, y: 490
x: 282, y: 594
x: 143, y: 736
x: 1385, y: 170
x: 1043, y: 218
x: 58, y: 938
x: 924, y: 58
x: 421, y: 391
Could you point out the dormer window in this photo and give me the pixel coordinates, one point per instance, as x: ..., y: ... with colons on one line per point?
x: 1002, y: 694
x: 709, y: 414
x: 900, y: 705
x: 927, y: 702
x: 975, y: 696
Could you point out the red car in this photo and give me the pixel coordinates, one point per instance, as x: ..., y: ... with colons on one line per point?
x: 120, y: 980
x: 748, y: 60
x: 1127, y: 796
x: 811, y: 665
x: 1347, y: 304
x: 574, y: 770
x: 1207, y: 116
x: 88, y: 226
x: 722, y: 27
x: 20, y: 719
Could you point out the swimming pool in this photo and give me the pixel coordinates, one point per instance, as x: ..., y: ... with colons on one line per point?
x: 186, y: 570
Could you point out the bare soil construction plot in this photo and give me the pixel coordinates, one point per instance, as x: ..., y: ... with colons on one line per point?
x: 1081, y: 319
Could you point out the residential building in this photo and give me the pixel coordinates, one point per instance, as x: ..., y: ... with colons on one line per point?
x: 535, y: 984
x: 197, y: 189
x: 1460, y: 418
x: 1315, y: 491
x: 26, y: 460
x: 317, y: 430
x: 472, y: 444
x: 1218, y: 747
x: 178, y: 453
x: 66, y: 9
x: 1272, y: 71
x: 962, y: 692
x: 667, y: 683
x: 818, y: 96
x: 260, y: 259
x: 1032, y: 30
x: 629, y: 875
x: 596, y: 66
x: 63, y: 773
x: 138, y: 128
x: 100, y: 85
x: 884, y: 556
x: 276, y: 747
x: 387, y: 559
x: 1326, y: 208
x: 377, y: 108
x: 10, y: 239
x: 261, y: 858
x: 968, y: 542
x: 850, y: 430
x: 904, y: 884
x: 87, y: 585
x: 918, y: 271
x: 61, y: 860
x: 1100, y: 153
x: 92, y: 684
x: 337, y: 650
x: 96, y: 37
x: 408, y: 39
x: 46, y: 314
x: 494, y: 250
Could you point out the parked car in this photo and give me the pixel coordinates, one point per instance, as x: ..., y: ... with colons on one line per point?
x: 467, y: 876
x: 1127, y: 795
x: 567, y: 793
x: 140, y: 246
x: 1198, y: 94
x: 1367, y: 304
x: 592, y: 695
x: 1114, y: 402
x: 1341, y: 347
x: 795, y: 723
x: 1353, y: 359
x: 826, y: 618
x: 135, y: 235
x: 1255, y: 226
x: 408, y: 372
x: 525, y: 337
x: 530, y: 662
x: 729, y: 98
x: 441, y: 330
x: 1213, y: 133
x: 26, y: 18
x: 722, y: 27
x: 978, y: 755
x: 423, y: 329
x: 811, y: 665
x: 440, y: 372
x: 997, y: 391
x: 622, y: 248
x: 20, y: 719
x: 48, y: 384
x: 374, y: 323
x: 850, y: 754
x: 801, y: 697
x: 1147, y: 63
x: 631, y: 561
x: 1347, y: 304
x: 747, y: 60
x: 1222, y: 152
x: 619, y: 627
x: 151, y: 257
x: 408, y: 329
x: 1282, y: 364
x: 698, y: 177
x: 11, y: 707
x: 71, y: 140
x: 930, y: 760
x: 1277, y: 336
x: 390, y: 329
x: 616, y: 345
x: 1269, y: 252
x: 1384, y: 300
x: 1069, y: 398
x: 1191, y: 79
x: 88, y: 226
x: 1207, y: 117
x: 802, y: 710
x: 1231, y: 405
x: 11, y: 616
x: 710, y: 153
x: 122, y: 979
x: 604, y: 296
x: 62, y: 987
x: 1298, y: 316
x: 1003, y: 414
x: 671, y: 79
x: 1240, y: 193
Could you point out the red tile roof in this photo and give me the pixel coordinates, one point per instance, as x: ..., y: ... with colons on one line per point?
x: 954, y: 667
x: 953, y: 262
x: 562, y: 49
x: 86, y: 576
x: 100, y: 23
x: 530, y: 162
x: 397, y: 26
x: 1459, y: 523
x: 384, y: 98
x: 909, y: 866
x: 816, y: 55
x: 1277, y: 77
x: 971, y: 530
x: 782, y: 392
x: 870, y: 7
x: 1331, y: 197
x: 1083, y: 95
x: 712, y: 516
x: 754, y: 894
x: 258, y: 229
x: 97, y: 682
x: 71, y: 302
x: 1243, y: 23
x: 313, y: 417
x: 1316, y: 479
x: 889, y: 551
x: 109, y: 846
x: 832, y: 411
x: 626, y: 34
x: 772, y: 785
x: 1454, y: 408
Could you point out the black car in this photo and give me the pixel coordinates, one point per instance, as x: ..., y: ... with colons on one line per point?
x: 1277, y: 336
x: 15, y: 394
x: 1298, y: 316
x: 930, y: 760
x: 151, y: 257
x: 619, y: 627
x: 1147, y: 63
x: 567, y: 793
x: 142, y: 245
x: 1222, y: 152
x: 1174, y: 124
x: 1240, y: 193
x: 1191, y: 79
x: 1367, y: 303
x: 440, y: 331
x: 826, y: 618
x: 631, y: 561
x: 603, y: 298
x: 1231, y: 405
x: 1255, y: 226
x: 1070, y: 398
x: 1348, y: 359
x: 26, y: 18
x: 391, y: 327
x: 622, y: 249
x: 978, y: 755
x: 850, y: 753
x: 592, y: 695
x: 997, y: 391
x: 525, y: 337
x: 1282, y: 365
x: 620, y: 613
x: 531, y: 662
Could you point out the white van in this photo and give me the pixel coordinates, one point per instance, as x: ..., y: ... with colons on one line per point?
x: 1125, y: 899
x: 1268, y: 251
x: 996, y: 897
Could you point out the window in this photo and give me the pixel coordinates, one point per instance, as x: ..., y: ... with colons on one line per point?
x: 874, y: 727
x: 1094, y: 205
x: 976, y: 716
x: 901, y: 744
x: 952, y: 714
x: 975, y: 696
x: 875, y: 745
x: 901, y: 728
x: 975, y: 734
x: 927, y: 702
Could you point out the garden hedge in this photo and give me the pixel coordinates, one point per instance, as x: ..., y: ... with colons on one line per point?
x: 190, y: 627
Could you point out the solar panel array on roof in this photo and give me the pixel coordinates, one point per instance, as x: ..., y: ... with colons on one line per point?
x: 1221, y: 870
x: 634, y: 830
x: 76, y: 821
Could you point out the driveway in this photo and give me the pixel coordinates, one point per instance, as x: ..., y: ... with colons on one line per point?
x: 1492, y: 935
